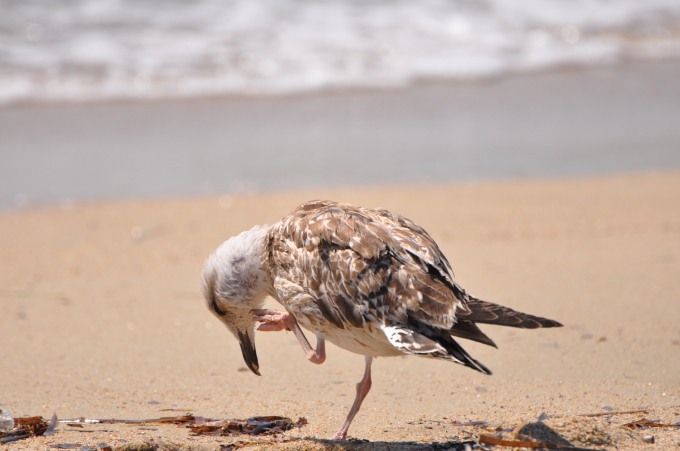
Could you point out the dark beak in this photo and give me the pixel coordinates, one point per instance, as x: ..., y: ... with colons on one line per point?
x: 249, y: 354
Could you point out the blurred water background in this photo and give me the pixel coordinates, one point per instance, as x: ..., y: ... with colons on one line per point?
x: 80, y: 50
x: 110, y: 99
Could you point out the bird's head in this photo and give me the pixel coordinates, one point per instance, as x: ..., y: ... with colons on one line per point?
x: 234, y: 282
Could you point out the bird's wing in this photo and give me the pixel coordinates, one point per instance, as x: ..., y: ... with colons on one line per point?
x: 490, y: 313
x: 363, y: 265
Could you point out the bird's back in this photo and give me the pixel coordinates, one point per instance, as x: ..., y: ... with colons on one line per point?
x: 376, y: 283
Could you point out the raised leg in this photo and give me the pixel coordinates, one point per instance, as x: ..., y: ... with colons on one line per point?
x: 275, y: 320
x: 363, y: 388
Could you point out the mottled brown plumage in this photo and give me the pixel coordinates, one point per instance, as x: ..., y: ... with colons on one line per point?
x: 368, y: 280
x: 340, y: 267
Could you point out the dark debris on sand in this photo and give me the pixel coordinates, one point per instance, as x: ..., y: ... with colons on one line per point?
x: 253, y: 426
x: 27, y: 427
x: 584, y: 432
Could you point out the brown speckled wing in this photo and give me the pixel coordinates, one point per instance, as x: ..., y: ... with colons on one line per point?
x: 356, y: 265
x: 364, y: 265
x: 490, y: 313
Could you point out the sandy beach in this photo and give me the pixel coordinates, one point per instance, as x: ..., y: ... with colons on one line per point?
x: 537, y: 142
x: 102, y: 318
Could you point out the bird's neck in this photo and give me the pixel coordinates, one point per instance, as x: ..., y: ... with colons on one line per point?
x: 256, y: 279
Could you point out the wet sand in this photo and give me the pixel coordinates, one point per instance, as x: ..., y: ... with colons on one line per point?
x: 561, y: 123
x: 102, y: 317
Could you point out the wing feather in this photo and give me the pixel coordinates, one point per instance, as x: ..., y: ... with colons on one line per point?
x: 490, y: 313
x: 360, y: 265
x: 375, y: 257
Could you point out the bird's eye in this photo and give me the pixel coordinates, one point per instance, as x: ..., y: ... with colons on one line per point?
x: 216, y: 308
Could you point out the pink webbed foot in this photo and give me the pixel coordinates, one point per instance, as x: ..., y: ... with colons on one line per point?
x: 272, y: 320
x: 275, y: 320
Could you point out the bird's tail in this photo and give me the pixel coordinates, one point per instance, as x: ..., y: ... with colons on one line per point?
x: 419, y: 338
x: 461, y: 356
x: 490, y: 313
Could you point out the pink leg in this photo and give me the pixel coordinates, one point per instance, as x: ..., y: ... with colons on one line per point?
x: 274, y: 320
x: 363, y: 388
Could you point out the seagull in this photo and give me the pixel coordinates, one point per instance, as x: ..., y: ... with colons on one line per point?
x: 367, y: 280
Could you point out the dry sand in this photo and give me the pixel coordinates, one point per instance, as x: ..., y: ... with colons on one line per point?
x: 102, y: 318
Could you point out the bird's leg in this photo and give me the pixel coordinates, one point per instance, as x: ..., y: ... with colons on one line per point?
x: 275, y: 320
x: 363, y: 388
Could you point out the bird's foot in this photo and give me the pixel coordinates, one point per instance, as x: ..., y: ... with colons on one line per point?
x: 340, y: 435
x: 272, y: 320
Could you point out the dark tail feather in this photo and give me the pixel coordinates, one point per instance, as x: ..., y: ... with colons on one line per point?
x: 454, y: 351
x: 461, y: 355
x: 490, y: 313
x: 470, y: 331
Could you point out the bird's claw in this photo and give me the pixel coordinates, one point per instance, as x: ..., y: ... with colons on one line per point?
x: 272, y: 320
x: 339, y: 436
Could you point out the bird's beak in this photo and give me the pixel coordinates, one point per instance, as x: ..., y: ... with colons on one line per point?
x: 248, y: 351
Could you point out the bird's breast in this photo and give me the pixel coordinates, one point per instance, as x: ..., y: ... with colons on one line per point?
x: 368, y: 340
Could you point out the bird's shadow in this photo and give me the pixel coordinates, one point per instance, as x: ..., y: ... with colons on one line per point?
x: 367, y: 445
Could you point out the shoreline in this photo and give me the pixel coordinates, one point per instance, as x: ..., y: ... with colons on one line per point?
x: 624, y: 64
x: 572, y: 122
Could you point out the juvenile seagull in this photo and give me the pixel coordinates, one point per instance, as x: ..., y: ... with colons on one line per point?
x: 369, y: 281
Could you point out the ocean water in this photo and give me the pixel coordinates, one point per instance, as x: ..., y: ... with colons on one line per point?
x: 90, y: 50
